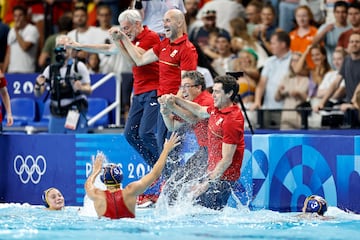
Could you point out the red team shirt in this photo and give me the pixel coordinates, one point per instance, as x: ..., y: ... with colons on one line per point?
x: 3, y: 84
x: 173, y: 58
x: 146, y: 78
x: 226, y: 126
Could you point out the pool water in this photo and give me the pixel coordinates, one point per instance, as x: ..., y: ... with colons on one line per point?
x: 23, y: 221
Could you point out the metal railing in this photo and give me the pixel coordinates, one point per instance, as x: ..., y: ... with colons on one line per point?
x: 116, y: 104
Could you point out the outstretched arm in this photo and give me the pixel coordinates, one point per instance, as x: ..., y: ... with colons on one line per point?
x: 138, y: 187
x: 194, y: 108
x: 90, y: 188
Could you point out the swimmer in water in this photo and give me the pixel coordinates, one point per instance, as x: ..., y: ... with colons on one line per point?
x: 53, y: 199
x: 314, y: 207
x: 115, y: 202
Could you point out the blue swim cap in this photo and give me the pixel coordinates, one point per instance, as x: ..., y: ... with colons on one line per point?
x: 44, y: 197
x: 112, y: 175
x: 315, y: 204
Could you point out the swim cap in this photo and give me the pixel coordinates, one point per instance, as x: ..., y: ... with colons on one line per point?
x: 315, y: 204
x: 44, y: 197
x: 111, y: 175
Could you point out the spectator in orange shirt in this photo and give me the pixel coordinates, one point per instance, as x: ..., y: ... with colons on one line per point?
x: 304, y: 33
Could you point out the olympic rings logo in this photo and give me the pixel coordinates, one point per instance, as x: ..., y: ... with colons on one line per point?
x: 30, y: 168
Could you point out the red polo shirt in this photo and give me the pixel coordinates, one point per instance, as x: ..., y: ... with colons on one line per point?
x: 173, y: 58
x: 226, y: 126
x: 3, y: 84
x: 146, y: 78
x: 201, y: 127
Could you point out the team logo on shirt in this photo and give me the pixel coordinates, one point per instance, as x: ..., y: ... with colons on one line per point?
x: 174, y: 53
x: 218, y: 122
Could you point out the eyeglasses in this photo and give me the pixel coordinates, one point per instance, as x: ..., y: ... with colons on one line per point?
x: 186, y: 86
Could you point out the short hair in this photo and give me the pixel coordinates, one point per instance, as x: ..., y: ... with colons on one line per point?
x: 80, y: 6
x: 355, y: 5
x: 65, y: 23
x: 197, y: 77
x: 131, y: 15
x: 20, y: 8
x: 341, y: 4
x: 282, y: 36
x: 229, y: 84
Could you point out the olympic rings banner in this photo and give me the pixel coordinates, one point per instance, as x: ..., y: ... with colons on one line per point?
x: 278, y: 172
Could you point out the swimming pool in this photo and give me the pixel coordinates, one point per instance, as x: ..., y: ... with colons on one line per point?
x: 33, y: 222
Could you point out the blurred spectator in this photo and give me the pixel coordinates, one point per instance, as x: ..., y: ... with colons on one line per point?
x: 93, y: 63
x: 253, y: 18
x: 114, y: 7
x: 287, y: 10
x: 266, y: 28
x: 201, y: 34
x: 205, y: 68
x: 4, y: 30
x: 83, y: 33
x: 275, y: 68
x: 337, y: 58
x: 330, y: 32
x: 192, y: 8
x: 229, y: 10
x: 304, y: 33
x: 22, y: 43
x: 321, y: 66
x: 293, y: 90
x: 350, y: 72
x: 4, y: 94
x: 242, y: 40
x: 354, y: 20
x: 47, y: 55
x: 154, y: 11
x: 223, y: 63
x: 247, y: 63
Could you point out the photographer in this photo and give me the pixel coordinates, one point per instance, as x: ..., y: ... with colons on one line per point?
x: 68, y: 82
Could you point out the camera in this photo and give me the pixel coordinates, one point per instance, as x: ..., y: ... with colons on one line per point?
x: 60, y: 55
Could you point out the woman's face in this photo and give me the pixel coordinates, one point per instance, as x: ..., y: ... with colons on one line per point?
x: 302, y: 17
x: 55, y: 199
x: 317, y: 56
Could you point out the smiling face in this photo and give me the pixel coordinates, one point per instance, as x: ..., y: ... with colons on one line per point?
x: 188, y: 89
x: 130, y: 29
x: 55, y: 199
x: 317, y: 57
x: 221, y: 99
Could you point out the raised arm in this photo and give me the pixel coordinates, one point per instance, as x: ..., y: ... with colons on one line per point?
x: 138, y: 187
x: 139, y: 58
x: 90, y: 188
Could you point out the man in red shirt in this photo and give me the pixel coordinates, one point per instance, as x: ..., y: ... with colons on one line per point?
x: 115, y: 202
x: 354, y: 19
x: 176, y: 55
x: 225, y: 142
x: 193, y: 89
x: 139, y: 128
x: 6, y: 101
